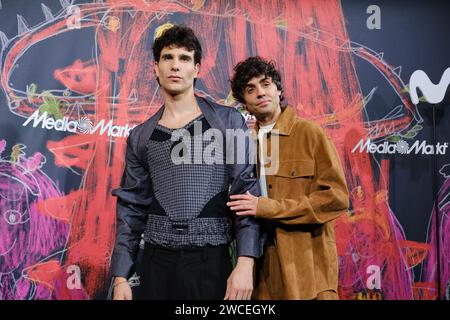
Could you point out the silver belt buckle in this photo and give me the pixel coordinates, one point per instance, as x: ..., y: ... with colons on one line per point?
x: 180, y: 228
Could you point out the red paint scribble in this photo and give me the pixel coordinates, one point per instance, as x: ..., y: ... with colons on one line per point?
x: 308, y: 41
x: 79, y: 77
x: 44, y: 273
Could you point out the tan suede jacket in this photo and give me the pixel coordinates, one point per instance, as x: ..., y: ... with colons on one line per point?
x: 306, y: 192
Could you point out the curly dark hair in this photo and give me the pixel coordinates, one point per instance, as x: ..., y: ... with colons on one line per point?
x: 253, y: 67
x: 179, y: 36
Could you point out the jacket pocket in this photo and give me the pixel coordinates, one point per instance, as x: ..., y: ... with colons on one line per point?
x: 293, y: 179
x: 296, y: 169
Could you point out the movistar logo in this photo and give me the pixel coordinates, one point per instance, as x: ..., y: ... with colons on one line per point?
x: 83, y: 125
x: 401, y: 147
x: 433, y: 93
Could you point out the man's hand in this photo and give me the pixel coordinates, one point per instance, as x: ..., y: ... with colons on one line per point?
x: 240, y: 282
x: 122, y: 289
x: 243, y: 204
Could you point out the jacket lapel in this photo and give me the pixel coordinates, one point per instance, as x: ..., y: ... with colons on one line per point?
x: 210, y: 114
x: 285, y: 122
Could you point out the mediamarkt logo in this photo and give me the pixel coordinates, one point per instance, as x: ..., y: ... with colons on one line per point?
x: 402, y: 147
x: 84, y: 125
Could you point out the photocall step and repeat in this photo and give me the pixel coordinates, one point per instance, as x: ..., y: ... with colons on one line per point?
x: 77, y: 76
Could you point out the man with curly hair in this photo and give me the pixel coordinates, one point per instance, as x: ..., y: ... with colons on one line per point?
x: 300, y: 198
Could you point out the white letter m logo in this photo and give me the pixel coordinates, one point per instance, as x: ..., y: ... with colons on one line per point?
x: 432, y: 93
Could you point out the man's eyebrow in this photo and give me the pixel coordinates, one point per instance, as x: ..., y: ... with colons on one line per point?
x: 251, y: 85
x: 167, y: 55
x: 184, y: 56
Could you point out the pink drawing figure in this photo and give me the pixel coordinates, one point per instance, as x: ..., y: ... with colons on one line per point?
x: 32, y: 243
x: 430, y: 267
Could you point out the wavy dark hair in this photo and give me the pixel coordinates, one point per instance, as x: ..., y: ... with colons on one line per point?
x: 253, y: 67
x: 179, y: 36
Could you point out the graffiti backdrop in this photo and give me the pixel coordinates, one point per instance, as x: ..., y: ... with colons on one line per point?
x: 76, y: 76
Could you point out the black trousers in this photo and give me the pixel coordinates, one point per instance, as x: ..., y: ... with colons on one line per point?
x: 184, y: 274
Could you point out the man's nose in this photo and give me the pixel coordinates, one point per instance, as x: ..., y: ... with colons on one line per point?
x: 260, y: 92
x: 175, y: 65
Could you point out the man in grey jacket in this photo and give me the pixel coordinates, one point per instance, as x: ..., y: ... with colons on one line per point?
x: 177, y: 199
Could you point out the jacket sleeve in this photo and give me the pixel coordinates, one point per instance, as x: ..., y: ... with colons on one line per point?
x: 243, y: 179
x: 133, y: 199
x: 327, y: 199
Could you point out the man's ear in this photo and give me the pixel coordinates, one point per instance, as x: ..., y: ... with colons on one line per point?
x: 197, y: 69
x: 155, y: 68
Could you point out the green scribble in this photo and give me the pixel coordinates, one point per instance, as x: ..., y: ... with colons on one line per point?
x: 241, y: 110
x: 229, y: 100
x: 406, y: 90
x: 394, y: 139
x: 411, y: 133
x: 51, y: 105
x: 282, y: 24
x: 31, y: 91
x: 17, y: 152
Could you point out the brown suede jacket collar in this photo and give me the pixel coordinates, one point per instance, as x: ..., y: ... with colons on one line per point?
x: 285, y: 122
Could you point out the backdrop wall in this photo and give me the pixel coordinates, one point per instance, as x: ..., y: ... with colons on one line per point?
x: 76, y: 76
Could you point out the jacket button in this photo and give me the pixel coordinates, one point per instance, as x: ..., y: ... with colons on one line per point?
x: 293, y: 173
x: 270, y: 186
x: 251, y: 174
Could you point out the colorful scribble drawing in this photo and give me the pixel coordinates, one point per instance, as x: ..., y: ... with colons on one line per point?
x: 33, y: 234
x: 316, y: 58
x: 430, y: 266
